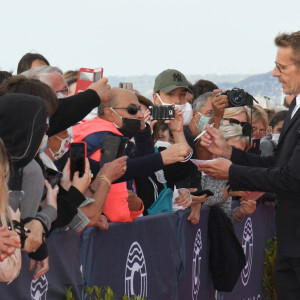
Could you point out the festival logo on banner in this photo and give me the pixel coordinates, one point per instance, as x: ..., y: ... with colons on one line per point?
x: 247, y: 245
x: 135, y: 272
x: 39, y: 288
x: 196, y: 265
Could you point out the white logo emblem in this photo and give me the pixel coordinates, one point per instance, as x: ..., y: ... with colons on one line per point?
x: 39, y: 288
x: 247, y: 245
x: 135, y: 272
x: 196, y: 265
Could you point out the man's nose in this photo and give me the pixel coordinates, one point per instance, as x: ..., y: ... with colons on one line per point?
x: 178, y: 99
x: 276, y: 72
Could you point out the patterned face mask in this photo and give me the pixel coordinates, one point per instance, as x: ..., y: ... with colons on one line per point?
x: 64, y: 147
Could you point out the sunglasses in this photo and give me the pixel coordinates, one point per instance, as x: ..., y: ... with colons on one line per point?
x: 234, y: 121
x: 131, y: 109
x: 246, y: 127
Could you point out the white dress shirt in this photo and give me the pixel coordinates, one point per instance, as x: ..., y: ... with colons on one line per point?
x: 296, y: 106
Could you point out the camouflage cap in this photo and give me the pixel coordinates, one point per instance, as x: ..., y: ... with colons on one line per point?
x: 170, y: 80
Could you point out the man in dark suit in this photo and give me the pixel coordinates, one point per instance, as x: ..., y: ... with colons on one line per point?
x: 279, y: 173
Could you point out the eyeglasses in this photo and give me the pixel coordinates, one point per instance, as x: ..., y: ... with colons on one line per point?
x: 259, y: 131
x: 281, y: 68
x: 64, y: 91
x: 131, y: 109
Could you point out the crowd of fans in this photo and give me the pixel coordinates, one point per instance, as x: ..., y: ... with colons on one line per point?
x: 40, y: 116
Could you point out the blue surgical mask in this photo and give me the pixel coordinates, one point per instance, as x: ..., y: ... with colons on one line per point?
x: 42, y: 149
x: 203, y: 121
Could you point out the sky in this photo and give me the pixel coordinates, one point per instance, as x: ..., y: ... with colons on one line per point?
x: 138, y: 37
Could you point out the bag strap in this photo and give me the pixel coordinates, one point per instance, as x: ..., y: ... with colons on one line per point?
x: 156, y: 151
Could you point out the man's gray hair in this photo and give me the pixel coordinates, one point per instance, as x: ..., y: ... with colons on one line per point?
x: 41, y: 72
x: 201, y: 100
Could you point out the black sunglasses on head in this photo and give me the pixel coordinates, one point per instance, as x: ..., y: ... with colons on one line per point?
x: 132, y: 109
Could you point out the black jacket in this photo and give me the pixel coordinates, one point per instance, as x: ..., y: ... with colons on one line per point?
x: 279, y: 174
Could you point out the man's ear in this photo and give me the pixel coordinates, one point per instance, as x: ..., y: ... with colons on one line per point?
x: 108, y: 113
x: 156, y: 99
x: 270, y: 129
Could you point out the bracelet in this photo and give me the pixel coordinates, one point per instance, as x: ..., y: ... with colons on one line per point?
x: 191, y: 200
x: 102, y: 177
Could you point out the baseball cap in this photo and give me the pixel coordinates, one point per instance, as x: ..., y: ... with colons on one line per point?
x: 170, y: 80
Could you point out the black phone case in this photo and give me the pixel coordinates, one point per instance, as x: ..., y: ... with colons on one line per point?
x: 161, y: 112
x: 112, y: 148
x: 204, y: 192
x: 53, y: 177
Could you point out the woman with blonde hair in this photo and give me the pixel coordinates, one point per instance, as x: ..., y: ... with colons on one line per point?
x: 237, y: 113
x: 10, y: 253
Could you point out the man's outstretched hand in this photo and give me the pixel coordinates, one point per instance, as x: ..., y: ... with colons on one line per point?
x: 215, y: 143
x: 217, y: 168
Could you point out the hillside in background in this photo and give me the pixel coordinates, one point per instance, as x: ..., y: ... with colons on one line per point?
x: 256, y: 85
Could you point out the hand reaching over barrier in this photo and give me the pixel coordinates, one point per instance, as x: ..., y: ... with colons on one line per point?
x: 175, y: 153
x: 115, y: 169
x: 9, y: 241
x: 82, y: 183
x: 42, y: 267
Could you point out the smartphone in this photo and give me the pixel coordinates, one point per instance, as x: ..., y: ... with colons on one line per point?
x: 112, y: 147
x: 14, y: 199
x: 162, y: 112
x: 86, y: 77
x: 77, y: 158
x: 123, y: 146
x: 53, y: 177
x: 255, y: 147
x: 126, y: 85
x: 203, y: 192
x: 98, y: 74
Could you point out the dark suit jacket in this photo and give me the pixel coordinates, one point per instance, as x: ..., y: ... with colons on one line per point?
x: 279, y: 174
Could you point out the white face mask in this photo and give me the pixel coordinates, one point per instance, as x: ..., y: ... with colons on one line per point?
x: 186, y: 109
x: 187, y: 112
x: 275, y: 138
x: 162, y: 144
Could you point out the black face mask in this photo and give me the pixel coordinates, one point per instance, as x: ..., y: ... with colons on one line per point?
x: 130, y: 127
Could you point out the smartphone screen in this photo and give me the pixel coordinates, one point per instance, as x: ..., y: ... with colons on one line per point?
x: 77, y: 156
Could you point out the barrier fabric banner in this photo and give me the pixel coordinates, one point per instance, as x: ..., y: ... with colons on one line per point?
x: 64, y: 263
x: 194, y: 282
x: 140, y: 258
x: 253, y: 233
